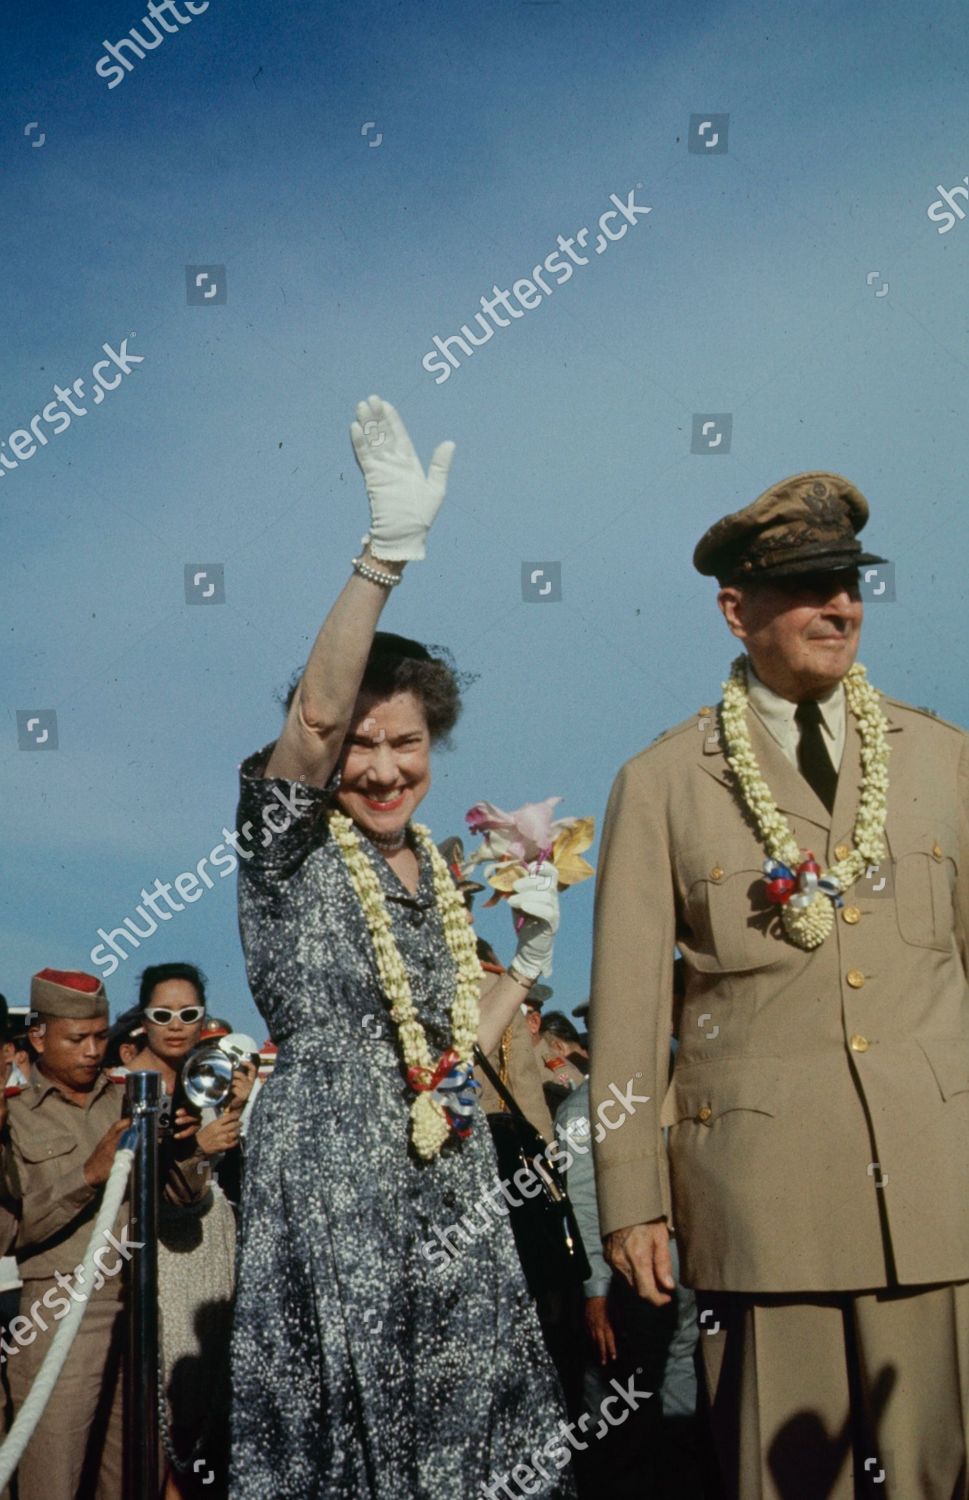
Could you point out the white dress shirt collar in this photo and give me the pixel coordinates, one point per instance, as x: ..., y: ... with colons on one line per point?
x: 777, y: 716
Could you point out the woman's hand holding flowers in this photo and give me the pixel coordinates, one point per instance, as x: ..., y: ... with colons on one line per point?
x: 536, y: 896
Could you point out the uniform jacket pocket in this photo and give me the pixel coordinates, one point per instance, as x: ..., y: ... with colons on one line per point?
x: 948, y: 1057
x: 733, y: 928
x: 47, y: 1148
x: 705, y: 1092
x: 925, y: 868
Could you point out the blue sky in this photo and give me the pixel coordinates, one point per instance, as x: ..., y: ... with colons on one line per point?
x: 756, y: 286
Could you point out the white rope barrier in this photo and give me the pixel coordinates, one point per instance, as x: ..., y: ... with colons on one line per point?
x: 46, y: 1378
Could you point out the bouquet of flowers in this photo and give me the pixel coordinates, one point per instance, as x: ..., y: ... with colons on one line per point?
x: 517, y: 843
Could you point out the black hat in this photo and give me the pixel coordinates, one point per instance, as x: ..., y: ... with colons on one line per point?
x: 805, y: 524
x: 537, y: 995
x: 559, y: 1025
x: 386, y: 644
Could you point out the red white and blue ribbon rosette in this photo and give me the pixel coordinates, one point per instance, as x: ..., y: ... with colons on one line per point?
x: 453, y: 1085
x: 798, y: 887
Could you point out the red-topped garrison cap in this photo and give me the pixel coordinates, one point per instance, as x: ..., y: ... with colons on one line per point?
x: 68, y: 993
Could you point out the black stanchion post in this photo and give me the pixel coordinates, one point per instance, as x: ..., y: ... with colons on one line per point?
x: 143, y: 1095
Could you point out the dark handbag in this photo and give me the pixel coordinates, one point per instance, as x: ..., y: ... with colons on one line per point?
x: 544, y: 1226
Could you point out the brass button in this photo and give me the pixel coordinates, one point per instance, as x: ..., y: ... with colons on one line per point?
x: 704, y: 1113
x: 841, y: 851
x: 937, y: 850
x: 855, y: 978
x: 716, y: 873
x: 851, y: 915
x: 859, y: 1044
x: 706, y: 709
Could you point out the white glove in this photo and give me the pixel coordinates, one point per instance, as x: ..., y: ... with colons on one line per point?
x: 403, y: 500
x: 538, y: 897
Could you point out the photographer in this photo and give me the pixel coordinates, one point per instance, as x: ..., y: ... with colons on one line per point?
x: 196, y: 1251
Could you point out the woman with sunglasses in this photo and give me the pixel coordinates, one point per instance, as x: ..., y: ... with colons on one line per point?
x: 196, y: 1249
x: 369, y: 1361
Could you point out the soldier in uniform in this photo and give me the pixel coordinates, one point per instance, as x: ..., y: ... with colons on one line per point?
x: 559, y: 1075
x: 64, y: 1129
x: 817, y: 1169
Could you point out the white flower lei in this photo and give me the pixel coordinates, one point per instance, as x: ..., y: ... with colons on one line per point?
x: 429, y: 1124
x: 809, y: 927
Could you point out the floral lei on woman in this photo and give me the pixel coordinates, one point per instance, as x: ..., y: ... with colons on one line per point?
x: 444, y: 1089
x: 807, y: 896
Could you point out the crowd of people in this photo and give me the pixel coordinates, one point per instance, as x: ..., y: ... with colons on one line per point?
x: 61, y: 1050
x: 716, y: 1246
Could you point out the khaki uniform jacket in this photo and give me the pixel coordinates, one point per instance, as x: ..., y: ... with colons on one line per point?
x: 818, y: 1112
x: 50, y: 1139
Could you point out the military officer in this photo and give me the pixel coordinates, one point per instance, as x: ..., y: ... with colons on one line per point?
x: 64, y: 1129
x: 805, y: 846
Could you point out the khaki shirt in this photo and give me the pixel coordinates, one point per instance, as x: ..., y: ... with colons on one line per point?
x: 50, y: 1139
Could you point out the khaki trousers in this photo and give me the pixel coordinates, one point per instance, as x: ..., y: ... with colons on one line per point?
x: 835, y: 1397
x: 76, y: 1449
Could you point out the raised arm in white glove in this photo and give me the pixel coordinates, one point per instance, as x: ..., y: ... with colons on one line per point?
x: 403, y: 500
x: 536, y: 896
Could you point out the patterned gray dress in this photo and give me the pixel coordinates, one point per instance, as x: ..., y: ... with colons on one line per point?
x: 364, y: 1367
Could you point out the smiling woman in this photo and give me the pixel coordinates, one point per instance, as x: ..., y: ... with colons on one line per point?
x: 359, y: 1145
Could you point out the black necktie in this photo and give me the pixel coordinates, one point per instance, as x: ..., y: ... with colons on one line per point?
x: 812, y: 753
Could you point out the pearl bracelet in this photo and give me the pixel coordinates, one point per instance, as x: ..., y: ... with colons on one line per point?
x: 375, y: 575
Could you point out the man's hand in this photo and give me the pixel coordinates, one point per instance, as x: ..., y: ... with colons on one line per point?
x: 641, y: 1253
x: 97, y: 1168
x: 599, y: 1328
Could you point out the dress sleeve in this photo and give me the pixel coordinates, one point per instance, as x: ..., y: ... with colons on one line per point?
x: 278, y: 822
